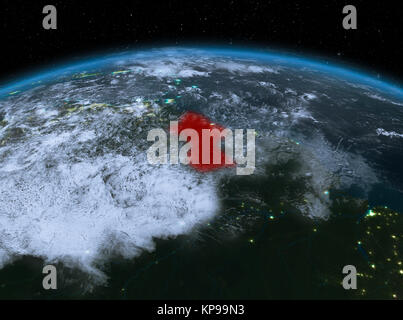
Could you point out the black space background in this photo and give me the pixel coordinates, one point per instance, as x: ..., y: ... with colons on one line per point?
x: 312, y: 27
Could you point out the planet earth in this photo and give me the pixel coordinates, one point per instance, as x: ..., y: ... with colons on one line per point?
x: 77, y: 191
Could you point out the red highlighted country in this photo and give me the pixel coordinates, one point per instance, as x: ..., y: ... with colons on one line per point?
x: 198, y: 122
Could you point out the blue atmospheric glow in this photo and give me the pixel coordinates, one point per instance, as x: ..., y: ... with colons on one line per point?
x: 333, y: 69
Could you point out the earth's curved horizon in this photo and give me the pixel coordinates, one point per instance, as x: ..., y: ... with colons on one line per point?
x: 86, y: 60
